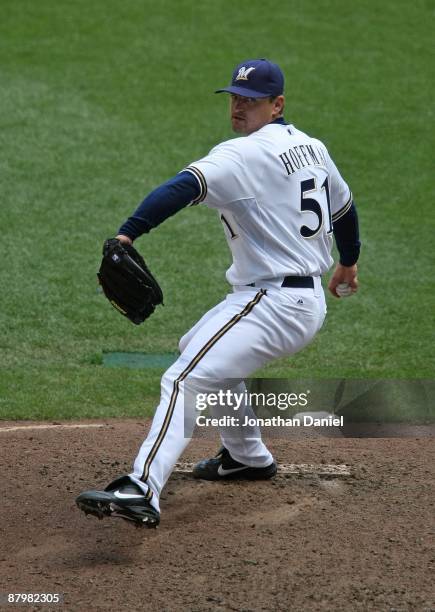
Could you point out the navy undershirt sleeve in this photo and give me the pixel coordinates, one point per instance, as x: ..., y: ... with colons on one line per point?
x: 346, y: 233
x: 160, y: 204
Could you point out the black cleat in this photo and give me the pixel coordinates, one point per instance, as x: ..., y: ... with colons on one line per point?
x: 224, y: 467
x: 121, y: 498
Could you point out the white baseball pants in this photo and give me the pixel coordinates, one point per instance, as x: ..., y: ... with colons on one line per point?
x: 248, y: 329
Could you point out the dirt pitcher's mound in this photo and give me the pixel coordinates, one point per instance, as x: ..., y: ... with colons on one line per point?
x: 358, y: 542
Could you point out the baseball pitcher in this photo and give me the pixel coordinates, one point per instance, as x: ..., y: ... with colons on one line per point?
x: 281, y: 201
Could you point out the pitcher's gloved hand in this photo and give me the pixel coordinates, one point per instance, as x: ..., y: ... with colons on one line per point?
x: 127, y: 282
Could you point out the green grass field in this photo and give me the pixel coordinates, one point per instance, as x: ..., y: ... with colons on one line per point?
x: 102, y: 101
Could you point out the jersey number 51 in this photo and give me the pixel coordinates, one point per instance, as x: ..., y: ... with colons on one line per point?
x: 312, y: 205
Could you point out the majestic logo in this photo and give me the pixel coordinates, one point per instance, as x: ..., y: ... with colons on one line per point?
x: 243, y: 73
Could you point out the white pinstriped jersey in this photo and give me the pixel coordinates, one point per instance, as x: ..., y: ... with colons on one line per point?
x: 277, y: 192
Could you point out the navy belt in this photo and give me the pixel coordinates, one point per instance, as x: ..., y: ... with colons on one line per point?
x: 297, y: 282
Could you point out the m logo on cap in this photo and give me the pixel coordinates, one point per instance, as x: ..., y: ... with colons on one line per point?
x: 244, y: 73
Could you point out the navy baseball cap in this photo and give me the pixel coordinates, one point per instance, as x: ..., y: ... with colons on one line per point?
x: 256, y: 78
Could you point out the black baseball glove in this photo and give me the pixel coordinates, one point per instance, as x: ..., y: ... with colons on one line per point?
x: 127, y: 282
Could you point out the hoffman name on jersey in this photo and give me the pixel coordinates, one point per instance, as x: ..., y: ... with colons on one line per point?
x: 300, y: 156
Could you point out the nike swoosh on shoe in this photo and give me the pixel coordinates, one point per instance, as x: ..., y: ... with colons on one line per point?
x: 223, y: 472
x: 120, y: 495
